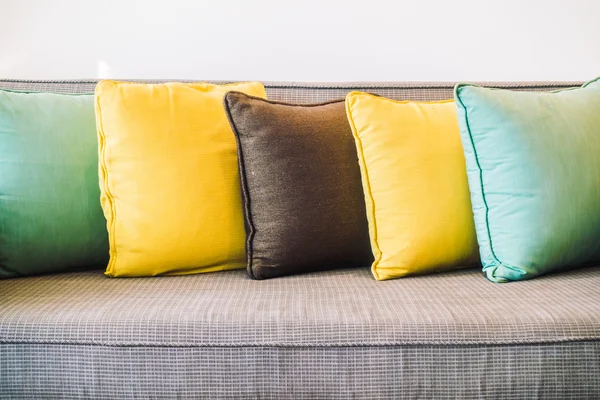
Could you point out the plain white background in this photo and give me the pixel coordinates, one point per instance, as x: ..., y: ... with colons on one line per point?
x: 292, y: 40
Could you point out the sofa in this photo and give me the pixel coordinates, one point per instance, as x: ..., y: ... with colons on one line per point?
x: 333, y: 334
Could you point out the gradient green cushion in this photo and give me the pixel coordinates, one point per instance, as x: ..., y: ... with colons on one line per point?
x: 533, y: 162
x: 50, y: 214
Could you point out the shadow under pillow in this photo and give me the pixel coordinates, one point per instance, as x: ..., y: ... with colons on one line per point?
x: 301, y: 187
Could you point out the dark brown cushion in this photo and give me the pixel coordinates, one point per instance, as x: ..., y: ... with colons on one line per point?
x: 303, y: 201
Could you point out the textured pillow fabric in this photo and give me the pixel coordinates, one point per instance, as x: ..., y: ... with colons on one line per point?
x: 169, y: 178
x: 415, y: 185
x: 302, y: 193
x: 50, y: 214
x: 533, y: 162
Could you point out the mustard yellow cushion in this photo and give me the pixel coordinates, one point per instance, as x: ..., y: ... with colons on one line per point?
x: 415, y: 183
x: 169, y: 179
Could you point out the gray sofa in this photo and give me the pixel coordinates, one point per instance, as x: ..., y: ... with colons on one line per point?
x: 337, y: 334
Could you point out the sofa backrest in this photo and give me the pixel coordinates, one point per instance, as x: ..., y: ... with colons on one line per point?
x: 298, y: 92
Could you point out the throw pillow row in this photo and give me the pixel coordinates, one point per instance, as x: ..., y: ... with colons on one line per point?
x: 347, y: 183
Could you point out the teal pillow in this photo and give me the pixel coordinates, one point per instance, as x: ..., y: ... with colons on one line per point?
x: 50, y: 214
x: 533, y: 163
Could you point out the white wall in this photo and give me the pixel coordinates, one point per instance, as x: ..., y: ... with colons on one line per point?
x: 322, y: 40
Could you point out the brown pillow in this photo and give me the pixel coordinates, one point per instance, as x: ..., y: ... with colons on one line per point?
x: 301, y: 187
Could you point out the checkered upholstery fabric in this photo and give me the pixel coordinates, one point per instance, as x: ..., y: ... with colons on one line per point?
x: 343, y: 308
x: 307, y: 92
x: 543, y: 371
x: 337, y: 334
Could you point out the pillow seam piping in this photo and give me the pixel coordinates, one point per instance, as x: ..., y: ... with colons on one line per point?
x: 480, y: 170
x: 109, y: 197
x: 363, y: 164
x: 244, y: 186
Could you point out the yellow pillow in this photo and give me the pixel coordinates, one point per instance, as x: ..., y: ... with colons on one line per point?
x: 169, y: 178
x: 415, y: 183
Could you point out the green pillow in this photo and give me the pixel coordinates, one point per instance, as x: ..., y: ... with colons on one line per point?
x: 533, y: 163
x: 50, y: 214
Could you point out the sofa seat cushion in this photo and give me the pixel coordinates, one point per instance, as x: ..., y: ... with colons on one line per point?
x: 337, y: 308
x: 337, y: 335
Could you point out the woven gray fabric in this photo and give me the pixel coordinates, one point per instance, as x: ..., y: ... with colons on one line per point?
x: 336, y: 308
x: 294, y: 92
x: 548, y: 371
